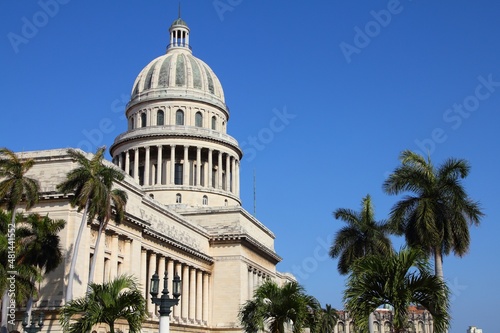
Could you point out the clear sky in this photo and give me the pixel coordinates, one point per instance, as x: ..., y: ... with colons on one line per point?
x: 323, y: 95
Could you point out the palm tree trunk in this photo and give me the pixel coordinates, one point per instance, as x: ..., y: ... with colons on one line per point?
x: 371, y: 317
x: 96, y: 252
x: 5, y: 304
x: 71, y: 277
x: 438, y: 263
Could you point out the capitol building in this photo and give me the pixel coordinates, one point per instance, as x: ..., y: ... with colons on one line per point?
x: 184, y: 212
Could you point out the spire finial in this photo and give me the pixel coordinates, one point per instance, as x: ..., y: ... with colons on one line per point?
x: 179, y: 9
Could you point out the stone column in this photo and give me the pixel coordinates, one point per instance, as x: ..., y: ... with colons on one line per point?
x: 192, y: 293
x: 146, y: 166
x: 237, y: 180
x: 127, y: 254
x: 198, y: 166
x: 136, y: 164
x: 120, y: 161
x: 250, y: 283
x: 206, y: 287
x: 144, y: 273
x: 114, y: 256
x: 185, y: 172
x: 159, y: 166
x: 172, y: 165
x: 228, y: 172
x: 199, y: 295
x: 185, y: 292
x: 152, y: 270
x: 233, y: 175
x: 219, y: 171
x: 127, y: 162
x: 210, y: 167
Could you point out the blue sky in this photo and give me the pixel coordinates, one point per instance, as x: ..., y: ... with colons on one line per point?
x: 350, y: 85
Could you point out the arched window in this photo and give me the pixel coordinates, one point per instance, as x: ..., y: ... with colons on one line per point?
x: 160, y: 118
x: 179, y: 117
x: 198, y: 119
x: 151, y: 195
x: 214, y: 123
x: 143, y: 119
x: 205, y: 200
x: 131, y: 123
x: 178, y: 198
x: 225, y: 202
x: 341, y: 327
x: 387, y: 327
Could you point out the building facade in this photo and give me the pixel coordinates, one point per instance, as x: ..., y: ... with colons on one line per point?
x: 183, y: 215
x: 419, y: 321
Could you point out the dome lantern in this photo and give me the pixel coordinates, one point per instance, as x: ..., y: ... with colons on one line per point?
x: 179, y: 35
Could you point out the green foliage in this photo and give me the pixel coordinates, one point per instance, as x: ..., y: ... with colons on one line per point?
x: 400, y: 280
x: 91, y: 183
x: 26, y: 274
x: 362, y: 236
x: 437, y: 215
x: 106, y: 303
x: 39, y: 242
x: 326, y: 319
x: 15, y: 186
x: 274, y: 307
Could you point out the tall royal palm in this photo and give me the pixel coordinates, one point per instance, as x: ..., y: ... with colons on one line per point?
x: 400, y: 280
x: 106, y: 303
x: 15, y: 187
x: 362, y: 236
x: 91, y: 183
x: 40, y: 245
x: 275, y: 308
x: 436, y: 215
x: 114, y: 198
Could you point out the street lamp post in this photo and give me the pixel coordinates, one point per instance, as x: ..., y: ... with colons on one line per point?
x: 164, y: 302
x: 33, y: 328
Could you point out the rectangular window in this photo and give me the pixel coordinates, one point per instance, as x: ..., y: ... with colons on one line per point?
x: 178, y: 174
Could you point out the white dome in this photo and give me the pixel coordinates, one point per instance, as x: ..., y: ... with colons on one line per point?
x: 178, y: 74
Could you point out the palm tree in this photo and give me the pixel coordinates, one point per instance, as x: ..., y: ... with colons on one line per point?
x: 113, y: 198
x: 23, y: 275
x: 436, y: 217
x: 91, y: 183
x: 274, y: 307
x: 327, y: 319
x: 14, y: 188
x: 106, y: 303
x: 400, y: 280
x: 40, y: 245
x: 362, y: 236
